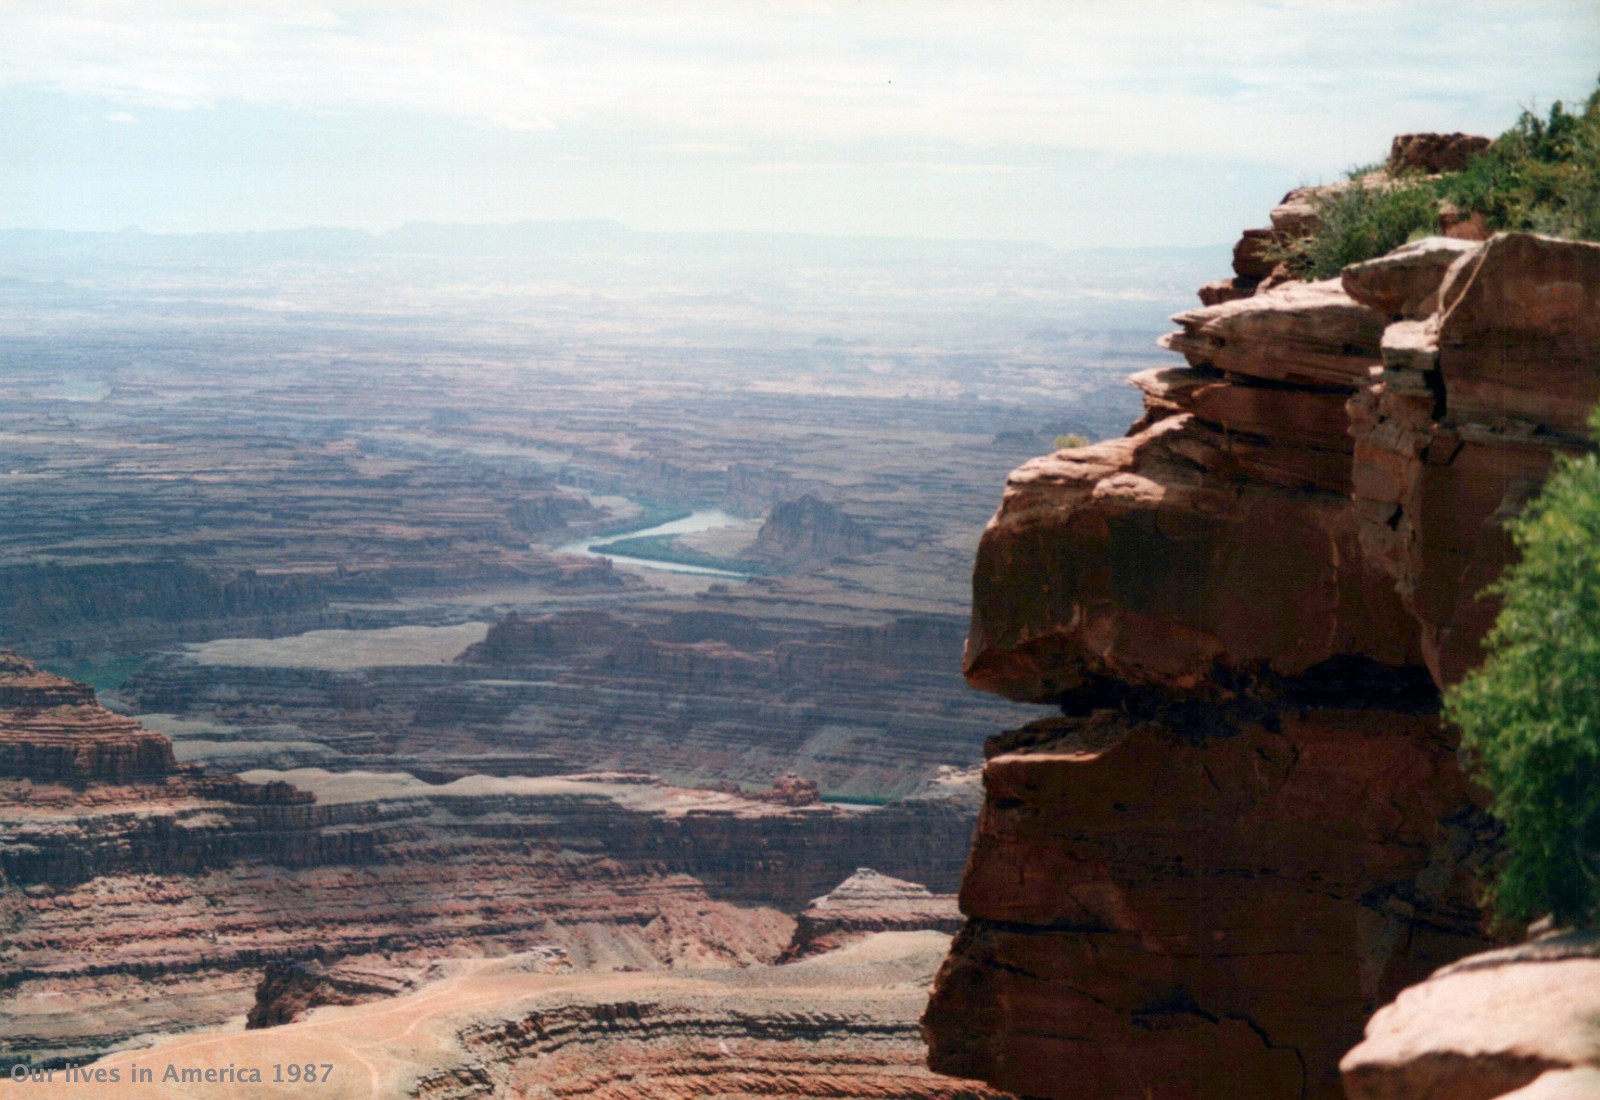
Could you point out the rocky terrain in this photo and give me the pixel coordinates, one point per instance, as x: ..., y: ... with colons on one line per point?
x: 861, y: 702
x: 452, y: 423
x: 839, y: 1025
x: 867, y: 903
x: 1248, y: 829
x: 138, y: 903
x: 1517, y: 1022
x: 318, y: 510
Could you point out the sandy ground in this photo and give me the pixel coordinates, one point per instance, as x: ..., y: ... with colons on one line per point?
x: 344, y: 649
x: 377, y: 1050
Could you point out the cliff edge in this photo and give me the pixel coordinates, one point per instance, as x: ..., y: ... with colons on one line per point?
x: 1248, y: 828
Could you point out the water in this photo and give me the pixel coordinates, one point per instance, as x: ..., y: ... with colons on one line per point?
x: 705, y: 520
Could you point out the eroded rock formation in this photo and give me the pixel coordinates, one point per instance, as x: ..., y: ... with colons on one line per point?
x: 1488, y: 1026
x: 865, y: 903
x: 292, y: 987
x: 53, y: 730
x: 835, y: 1027
x: 168, y: 897
x: 807, y: 532
x: 1249, y: 828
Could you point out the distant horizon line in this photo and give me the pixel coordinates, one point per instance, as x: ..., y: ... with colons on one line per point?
x: 610, y: 225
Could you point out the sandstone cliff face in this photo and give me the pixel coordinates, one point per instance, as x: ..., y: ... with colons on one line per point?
x: 1249, y: 828
x: 1517, y: 1022
x: 52, y: 730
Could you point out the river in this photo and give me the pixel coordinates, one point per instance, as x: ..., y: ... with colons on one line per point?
x: 705, y: 520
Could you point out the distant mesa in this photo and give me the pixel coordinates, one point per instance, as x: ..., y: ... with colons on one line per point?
x: 865, y: 903
x: 514, y: 640
x: 53, y: 730
x: 792, y: 790
x: 807, y: 532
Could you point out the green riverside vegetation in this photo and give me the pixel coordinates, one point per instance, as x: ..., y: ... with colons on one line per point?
x: 1530, y: 715
x: 1542, y: 175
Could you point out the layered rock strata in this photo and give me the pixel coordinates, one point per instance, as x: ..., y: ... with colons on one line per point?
x: 840, y: 1026
x: 865, y: 903
x: 133, y: 908
x: 1249, y: 828
x: 732, y: 686
x: 807, y: 532
x: 53, y: 730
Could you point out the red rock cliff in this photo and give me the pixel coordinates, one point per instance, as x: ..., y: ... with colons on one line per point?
x: 1248, y: 829
x: 52, y: 730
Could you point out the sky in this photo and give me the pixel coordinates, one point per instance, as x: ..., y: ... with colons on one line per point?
x: 1067, y: 122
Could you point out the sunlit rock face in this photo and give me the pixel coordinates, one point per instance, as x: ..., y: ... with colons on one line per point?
x: 1249, y: 829
x: 866, y: 903
x: 53, y: 730
x: 1517, y: 1022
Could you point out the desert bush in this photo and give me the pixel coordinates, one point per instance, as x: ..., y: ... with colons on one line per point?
x: 1530, y: 715
x: 1541, y: 175
x: 1362, y: 221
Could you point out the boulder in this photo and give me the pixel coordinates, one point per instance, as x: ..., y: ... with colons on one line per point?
x: 1514, y: 1022
x: 1405, y: 282
x: 1433, y: 153
x: 1310, y: 334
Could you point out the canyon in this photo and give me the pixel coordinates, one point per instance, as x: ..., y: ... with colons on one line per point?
x: 840, y: 1024
x: 323, y: 702
x: 1246, y: 828
x: 330, y: 729
x: 153, y: 901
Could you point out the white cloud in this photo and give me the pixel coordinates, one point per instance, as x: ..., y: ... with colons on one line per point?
x: 1260, y: 80
x: 1058, y: 119
x: 693, y: 148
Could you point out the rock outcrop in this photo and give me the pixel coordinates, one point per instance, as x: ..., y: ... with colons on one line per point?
x: 1487, y: 1027
x: 166, y: 898
x: 53, y: 730
x: 292, y: 987
x: 1433, y: 153
x: 1249, y: 829
x: 807, y: 532
x: 863, y: 904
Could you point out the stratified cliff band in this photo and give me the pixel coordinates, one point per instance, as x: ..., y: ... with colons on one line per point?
x: 1249, y: 829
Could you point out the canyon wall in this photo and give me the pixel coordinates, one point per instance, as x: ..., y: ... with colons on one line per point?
x: 717, y: 688
x: 1248, y: 828
x: 140, y: 895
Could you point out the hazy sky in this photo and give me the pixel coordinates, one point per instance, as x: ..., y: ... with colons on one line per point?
x: 1072, y: 122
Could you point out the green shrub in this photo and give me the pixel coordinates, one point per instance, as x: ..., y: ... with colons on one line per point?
x: 1542, y: 175
x: 1360, y: 222
x: 1530, y: 716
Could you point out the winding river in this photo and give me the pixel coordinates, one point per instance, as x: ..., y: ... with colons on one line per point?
x: 706, y: 520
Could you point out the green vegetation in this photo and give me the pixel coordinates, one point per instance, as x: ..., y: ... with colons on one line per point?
x: 858, y: 799
x: 1361, y: 222
x: 1542, y: 175
x: 667, y: 548
x: 1530, y: 716
x: 1071, y: 440
x: 101, y: 675
x: 654, y: 514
